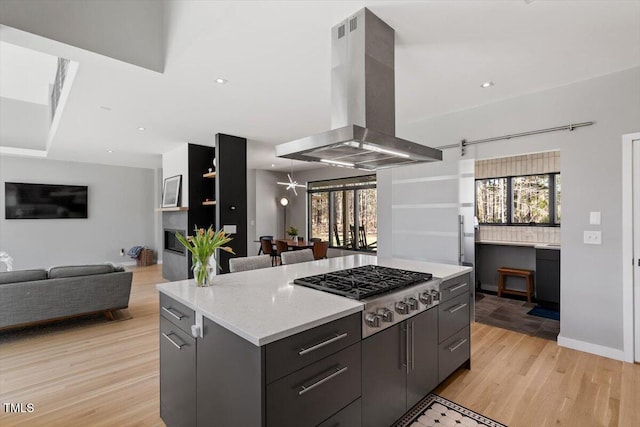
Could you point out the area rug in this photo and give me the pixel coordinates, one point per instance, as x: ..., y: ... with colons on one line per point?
x: 436, y: 411
x: 545, y: 312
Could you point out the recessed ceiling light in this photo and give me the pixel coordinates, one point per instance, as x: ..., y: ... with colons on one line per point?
x: 221, y: 81
x: 272, y: 165
x: 109, y: 151
x: 486, y: 84
x: 141, y: 129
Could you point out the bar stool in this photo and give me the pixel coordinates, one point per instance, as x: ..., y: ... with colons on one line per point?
x: 503, y: 272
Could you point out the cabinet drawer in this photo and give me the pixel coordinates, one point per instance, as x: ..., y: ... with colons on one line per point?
x: 177, y: 313
x: 177, y: 376
x: 310, y: 395
x: 454, y: 287
x: 453, y: 315
x: 297, y: 351
x: 452, y: 353
x: 351, y: 416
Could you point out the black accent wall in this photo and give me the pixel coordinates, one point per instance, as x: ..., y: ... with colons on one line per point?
x: 231, y: 192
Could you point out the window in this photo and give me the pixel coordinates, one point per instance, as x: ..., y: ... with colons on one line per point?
x: 491, y: 200
x: 519, y: 200
x: 530, y: 199
x: 557, y: 183
x: 319, y: 215
x: 344, y: 212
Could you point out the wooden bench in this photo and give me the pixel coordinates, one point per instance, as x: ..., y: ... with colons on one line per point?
x: 526, y: 274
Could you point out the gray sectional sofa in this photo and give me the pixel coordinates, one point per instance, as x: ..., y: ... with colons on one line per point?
x: 30, y: 296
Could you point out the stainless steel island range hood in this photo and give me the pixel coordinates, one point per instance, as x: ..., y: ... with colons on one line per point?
x: 362, y: 103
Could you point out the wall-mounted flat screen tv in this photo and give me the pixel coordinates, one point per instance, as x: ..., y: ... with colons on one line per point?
x: 44, y: 201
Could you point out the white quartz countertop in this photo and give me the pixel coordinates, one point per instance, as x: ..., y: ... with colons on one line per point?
x: 537, y: 245
x: 263, y: 306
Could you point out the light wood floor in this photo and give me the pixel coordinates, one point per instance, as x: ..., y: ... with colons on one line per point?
x: 99, y: 373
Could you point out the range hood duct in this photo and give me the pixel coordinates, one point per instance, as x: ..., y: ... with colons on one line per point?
x: 362, y: 103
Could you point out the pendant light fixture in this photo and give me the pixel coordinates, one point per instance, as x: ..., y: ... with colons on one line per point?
x: 292, y: 184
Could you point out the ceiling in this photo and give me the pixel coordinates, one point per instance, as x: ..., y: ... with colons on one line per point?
x: 276, y: 58
x: 25, y: 78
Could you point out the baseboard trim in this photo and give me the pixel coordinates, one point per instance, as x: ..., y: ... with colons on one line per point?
x: 587, y: 347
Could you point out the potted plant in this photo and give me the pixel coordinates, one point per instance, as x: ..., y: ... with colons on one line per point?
x: 203, y: 245
x: 293, y: 233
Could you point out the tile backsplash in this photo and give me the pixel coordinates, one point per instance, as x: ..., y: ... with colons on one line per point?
x: 527, y: 164
x: 519, y: 234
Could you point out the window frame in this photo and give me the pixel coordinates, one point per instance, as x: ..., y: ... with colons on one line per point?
x: 552, y: 202
x: 332, y: 186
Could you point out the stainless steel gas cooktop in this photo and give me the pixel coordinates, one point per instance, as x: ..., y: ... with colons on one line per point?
x: 363, y: 282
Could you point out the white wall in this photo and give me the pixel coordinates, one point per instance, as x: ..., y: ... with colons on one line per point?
x: 157, y: 216
x: 176, y: 162
x: 269, y: 212
x: 131, y: 32
x: 591, y: 279
x: 121, y: 214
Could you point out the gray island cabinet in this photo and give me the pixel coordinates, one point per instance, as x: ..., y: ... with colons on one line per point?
x: 255, y: 350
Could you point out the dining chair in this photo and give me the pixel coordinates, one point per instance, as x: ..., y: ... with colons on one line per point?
x: 281, y: 247
x: 315, y: 239
x: 261, y: 251
x: 266, y: 245
x: 295, y: 257
x: 320, y: 249
x: 249, y: 263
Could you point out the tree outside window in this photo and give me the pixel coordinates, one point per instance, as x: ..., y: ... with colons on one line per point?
x: 530, y: 199
x: 319, y: 215
x: 491, y: 200
x: 519, y: 200
x: 344, y: 212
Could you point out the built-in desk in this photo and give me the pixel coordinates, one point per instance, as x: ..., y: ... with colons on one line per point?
x: 491, y: 255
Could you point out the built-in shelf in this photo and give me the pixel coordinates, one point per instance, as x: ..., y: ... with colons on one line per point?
x: 209, y: 175
x: 176, y: 209
x: 209, y: 203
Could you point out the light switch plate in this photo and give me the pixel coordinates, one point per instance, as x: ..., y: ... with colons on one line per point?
x: 594, y: 218
x: 593, y: 237
x: 229, y: 229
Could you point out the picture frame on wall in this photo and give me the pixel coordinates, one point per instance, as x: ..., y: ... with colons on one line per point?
x: 171, y: 192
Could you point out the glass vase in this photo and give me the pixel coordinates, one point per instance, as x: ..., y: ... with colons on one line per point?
x: 204, y: 271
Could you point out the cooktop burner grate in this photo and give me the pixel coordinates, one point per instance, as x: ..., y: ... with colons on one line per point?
x: 363, y: 282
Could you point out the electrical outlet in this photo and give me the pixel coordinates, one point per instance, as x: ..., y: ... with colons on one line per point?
x: 593, y: 237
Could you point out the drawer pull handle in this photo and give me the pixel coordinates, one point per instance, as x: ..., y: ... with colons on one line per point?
x: 178, y: 346
x: 457, y: 287
x: 178, y: 316
x: 305, y: 388
x: 457, y: 345
x: 457, y: 307
x: 338, y: 337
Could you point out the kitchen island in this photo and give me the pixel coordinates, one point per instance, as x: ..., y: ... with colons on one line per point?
x: 254, y: 349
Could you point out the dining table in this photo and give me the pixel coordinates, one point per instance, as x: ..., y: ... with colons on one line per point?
x: 295, y: 245
x: 291, y: 244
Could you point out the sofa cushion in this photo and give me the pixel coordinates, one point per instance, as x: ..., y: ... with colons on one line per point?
x: 22, y: 276
x: 79, y: 270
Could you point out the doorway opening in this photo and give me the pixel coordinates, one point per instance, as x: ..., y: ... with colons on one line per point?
x: 518, y: 207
